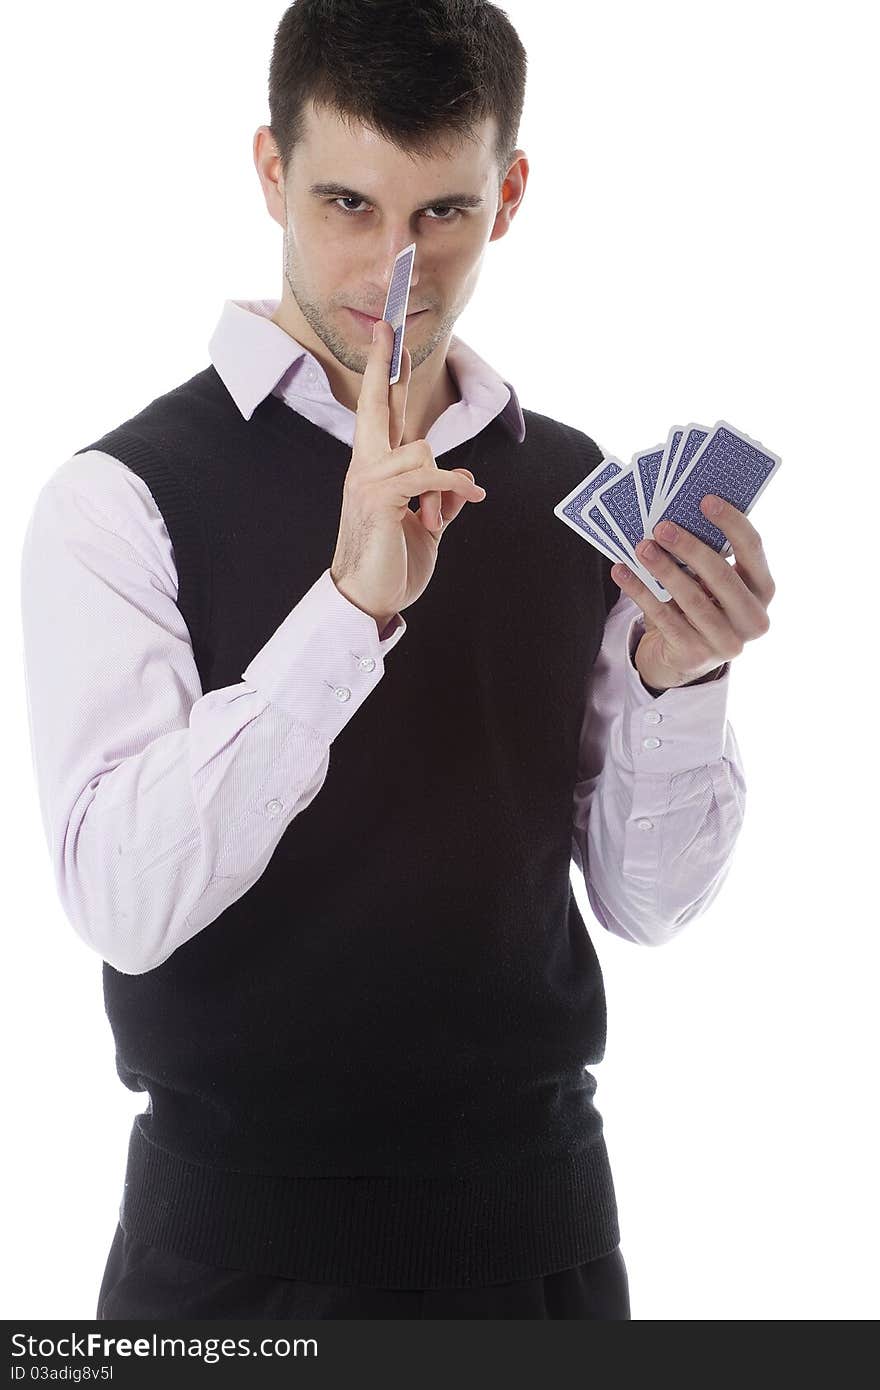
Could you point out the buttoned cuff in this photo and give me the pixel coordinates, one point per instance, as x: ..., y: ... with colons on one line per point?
x: 323, y: 660
x: 682, y: 728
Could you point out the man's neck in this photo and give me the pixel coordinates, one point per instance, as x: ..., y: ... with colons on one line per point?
x: 446, y: 393
x: 425, y: 402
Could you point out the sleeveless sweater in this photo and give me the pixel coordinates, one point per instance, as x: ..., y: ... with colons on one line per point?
x: 372, y: 1067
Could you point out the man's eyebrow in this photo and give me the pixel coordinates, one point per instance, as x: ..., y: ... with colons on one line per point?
x: 338, y: 190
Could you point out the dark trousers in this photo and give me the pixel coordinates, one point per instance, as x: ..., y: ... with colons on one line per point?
x: 141, y: 1281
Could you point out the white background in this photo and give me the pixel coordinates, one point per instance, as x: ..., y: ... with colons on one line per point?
x: 701, y: 207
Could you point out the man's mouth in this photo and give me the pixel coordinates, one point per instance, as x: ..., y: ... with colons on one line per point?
x: 371, y: 318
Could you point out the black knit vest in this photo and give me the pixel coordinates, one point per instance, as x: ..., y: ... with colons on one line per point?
x: 370, y: 1069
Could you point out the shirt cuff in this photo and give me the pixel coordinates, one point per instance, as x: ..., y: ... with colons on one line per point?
x: 323, y: 660
x: 682, y: 728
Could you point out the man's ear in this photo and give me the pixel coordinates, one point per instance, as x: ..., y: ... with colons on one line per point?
x: 266, y: 156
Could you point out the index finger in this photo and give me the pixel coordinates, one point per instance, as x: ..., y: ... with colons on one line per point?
x: 730, y: 520
x: 746, y: 543
x: 373, y: 414
x: 398, y: 394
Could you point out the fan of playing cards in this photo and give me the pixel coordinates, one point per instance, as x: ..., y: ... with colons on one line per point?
x: 618, y: 504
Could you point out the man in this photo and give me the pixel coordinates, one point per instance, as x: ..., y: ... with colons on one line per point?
x: 331, y: 885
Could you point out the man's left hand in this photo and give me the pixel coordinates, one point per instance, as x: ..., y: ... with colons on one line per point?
x: 710, y: 618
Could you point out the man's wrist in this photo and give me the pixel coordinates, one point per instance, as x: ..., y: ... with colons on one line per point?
x: 701, y: 680
x: 712, y: 675
x: 637, y: 632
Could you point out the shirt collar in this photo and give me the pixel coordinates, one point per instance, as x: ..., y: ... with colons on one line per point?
x: 254, y: 356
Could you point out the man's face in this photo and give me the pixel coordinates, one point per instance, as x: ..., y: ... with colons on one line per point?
x: 352, y: 201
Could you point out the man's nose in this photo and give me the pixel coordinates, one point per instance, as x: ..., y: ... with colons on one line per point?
x: 388, y: 251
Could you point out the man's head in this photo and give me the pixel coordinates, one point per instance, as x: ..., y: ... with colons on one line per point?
x: 382, y: 113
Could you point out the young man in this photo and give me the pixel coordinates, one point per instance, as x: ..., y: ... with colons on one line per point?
x: 326, y: 855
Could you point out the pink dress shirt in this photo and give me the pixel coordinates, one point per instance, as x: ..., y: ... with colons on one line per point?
x: 162, y: 805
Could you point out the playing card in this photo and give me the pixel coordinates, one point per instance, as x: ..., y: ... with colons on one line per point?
x: 670, y: 450
x: 622, y: 499
x: 574, y: 509
x: 625, y: 507
x: 645, y: 471
x: 622, y: 520
x: 693, y: 436
x: 396, y: 302
x: 729, y: 464
x: 569, y: 509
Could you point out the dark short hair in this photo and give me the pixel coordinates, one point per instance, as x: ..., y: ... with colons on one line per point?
x: 412, y: 70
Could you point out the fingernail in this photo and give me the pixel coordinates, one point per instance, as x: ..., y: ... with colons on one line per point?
x: 375, y: 326
x: 714, y: 506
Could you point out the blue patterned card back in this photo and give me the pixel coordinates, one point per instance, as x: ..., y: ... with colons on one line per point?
x: 729, y: 464
x: 396, y: 302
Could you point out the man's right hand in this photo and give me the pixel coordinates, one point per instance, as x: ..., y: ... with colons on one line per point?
x: 386, y: 553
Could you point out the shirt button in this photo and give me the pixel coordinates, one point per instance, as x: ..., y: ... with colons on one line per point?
x: 342, y: 693
x: 367, y: 663
x: 273, y: 807
x: 645, y: 824
x: 653, y: 716
x: 650, y: 743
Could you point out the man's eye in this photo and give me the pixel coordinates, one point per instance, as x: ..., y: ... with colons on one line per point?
x: 336, y: 201
x: 352, y: 211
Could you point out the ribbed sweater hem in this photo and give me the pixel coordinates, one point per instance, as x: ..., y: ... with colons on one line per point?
x: 387, y: 1232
